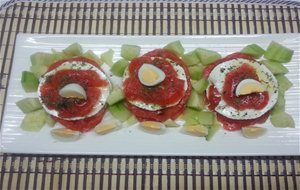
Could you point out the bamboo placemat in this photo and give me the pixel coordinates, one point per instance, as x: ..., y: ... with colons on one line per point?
x: 136, y: 172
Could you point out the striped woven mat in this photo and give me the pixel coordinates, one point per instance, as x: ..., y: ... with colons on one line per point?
x: 135, y: 172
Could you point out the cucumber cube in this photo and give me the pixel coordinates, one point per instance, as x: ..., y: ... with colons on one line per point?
x: 190, y: 58
x: 120, y: 111
x: 74, y: 49
x: 175, y: 47
x: 194, y: 101
x: 200, y: 85
x: 38, y: 70
x: 34, y: 121
x: 196, y: 71
x: 207, y: 56
x: 107, y: 57
x: 115, y: 96
x: 91, y: 55
x: 280, y: 104
x: 29, y: 82
x: 29, y: 104
x: 213, y: 130
x: 282, y: 119
x: 191, y: 116
x: 254, y: 50
x: 279, y: 53
x: 275, y: 67
x: 129, y: 52
x: 119, y: 67
x: 283, y: 82
x: 41, y: 58
x: 50, y: 121
x: 206, y: 118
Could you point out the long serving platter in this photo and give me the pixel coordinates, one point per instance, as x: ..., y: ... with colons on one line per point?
x: 131, y: 140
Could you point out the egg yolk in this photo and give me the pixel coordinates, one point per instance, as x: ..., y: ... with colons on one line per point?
x: 248, y: 87
x: 149, y: 76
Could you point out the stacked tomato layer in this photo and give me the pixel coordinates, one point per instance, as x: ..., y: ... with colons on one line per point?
x: 74, y: 113
x: 254, y: 101
x: 170, y: 95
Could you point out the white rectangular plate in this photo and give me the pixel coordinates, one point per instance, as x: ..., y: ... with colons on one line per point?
x: 131, y: 140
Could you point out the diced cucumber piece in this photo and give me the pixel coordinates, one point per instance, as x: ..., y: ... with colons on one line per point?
x: 275, y: 67
x: 29, y: 104
x: 279, y: 53
x: 91, y: 55
x: 115, y: 96
x: 196, y: 71
x: 200, y: 85
x: 119, y: 67
x: 57, y: 55
x: 283, y: 82
x: 120, y: 111
x: 282, y: 119
x: 280, y: 104
x: 194, y: 101
x: 190, y: 58
x: 38, y: 70
x: 129, y: 52
x: 190, y: 116
x: 50, y: 121
x: 213, y: 130
x: 207, y: 56
x: 74, y: 49
x: 206, y: 117
x: 107, y: 57
x: 41, y: 58
x: 29, y: 82
x: 175, y: 47
x: 254, y: 50
x: 131, y: 120
x: 34, y: 121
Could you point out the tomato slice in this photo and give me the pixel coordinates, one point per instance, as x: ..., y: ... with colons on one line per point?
x: 170, y: 112
x: 82, y: 125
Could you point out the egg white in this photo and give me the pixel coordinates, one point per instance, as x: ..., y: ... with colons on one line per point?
x: 154, y: 107
x: 78, y: 65
x: 265, y: 76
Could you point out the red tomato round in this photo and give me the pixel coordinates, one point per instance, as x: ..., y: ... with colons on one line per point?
x: 169, y: 112
x: 82, y: 125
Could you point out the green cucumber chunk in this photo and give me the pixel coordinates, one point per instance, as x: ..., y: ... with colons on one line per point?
x: 107, y: 57
x: 254, y: 50
x: 275, y: 67
x: 200, y: 85
x: 213, y: 130
x: 38, y: 70
x: 34, y: 121
x: 282, y: 119
x: 91, y: 55
x: 29, y: 81
x: 196, y: 71
x: 280, y: 104
x: 129, y: 52
x: 120, y: 111
x: 29, y: 104
x: 119, y: 67
x: 190, y: 116
x: 207, y: 56
x: 74, y: 49
x: 206, y: 117
x: 175, y: 47
x: 195, y: 101
x: 41, y: 58
x: 50, y: 121
x: 191, y: 58
x: 115, y: 96
x: 131, y: 120
x: 283, y: 82
x: 279, y: 53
